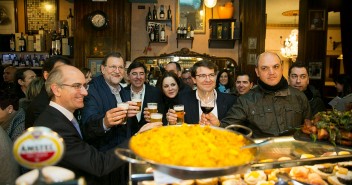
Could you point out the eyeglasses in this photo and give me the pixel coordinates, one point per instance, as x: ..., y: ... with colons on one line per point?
x: 115, y: 67
x: 204, y: 76
x: 77, y: 86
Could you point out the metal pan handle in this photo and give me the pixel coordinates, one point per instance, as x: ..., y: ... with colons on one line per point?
x: 236, y: 127
x: 125, y: 154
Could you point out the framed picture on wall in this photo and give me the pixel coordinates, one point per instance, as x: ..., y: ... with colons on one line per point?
x: 94, y: 64
x: 8, y: 16
x: 252, y: 43
x: 315, y: 70
x: 251, y: 58
x: 317, y: 19
x: 39, y: 13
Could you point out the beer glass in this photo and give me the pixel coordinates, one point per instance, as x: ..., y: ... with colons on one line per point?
x: 156, y: 117
x: 125, y: 107
x: 152, y: 107
x: 137, y: 97
x: 180, y: 114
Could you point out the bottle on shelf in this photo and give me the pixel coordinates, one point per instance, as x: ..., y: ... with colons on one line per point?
x: 162, y: 34
x: 53, y: 43
x: 155, y: 17
x: 41, y: 60
x: 179, y: 31
x: 149, y: 15
x: 184, y: 31
x: 35, y: 61
x: 12, y: 43
x: 162, y: 13
x: 188, y: 32
x: 156, y: 33
x: 192, y: 31
x: 151, y: 34
x: 15, y: 61
x: 69, y: 24
x: 169, y: 16
x: 58, y: 44
x: 64, y: 30
x: 22, y: 43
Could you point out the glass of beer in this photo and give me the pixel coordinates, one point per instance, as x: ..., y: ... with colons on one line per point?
x: 180, y: 114
x: 156, y: 117
x: 125, y: 107
x: 137, y: 97
x: 152, y: 107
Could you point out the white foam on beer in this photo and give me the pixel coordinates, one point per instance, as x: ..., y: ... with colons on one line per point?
x: 156, y: 116
x: 137, y: 100
x: 179, y: 108
x: 123, y: 105
x: 152, y: 107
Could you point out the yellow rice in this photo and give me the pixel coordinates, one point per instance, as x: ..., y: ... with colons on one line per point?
x: 192, y: 146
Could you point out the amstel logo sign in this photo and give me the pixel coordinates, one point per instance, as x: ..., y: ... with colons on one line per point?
x: 38, y: 147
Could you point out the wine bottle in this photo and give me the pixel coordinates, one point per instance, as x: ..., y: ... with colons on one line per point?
x: 53, y: 43
x: 156, y: 33
x: 149, y: 15
x: 192, y: 31
x: 179, y: 31
x: 58, y: 45
x: 169, y: 16
x: 154, y: 14
x: 12, y: 42
x: 22, y: 43
x: 188, y: 32
x: 162, y: 13
x: 69, y: 24
x: 162, y: 34
x: 151, y: 35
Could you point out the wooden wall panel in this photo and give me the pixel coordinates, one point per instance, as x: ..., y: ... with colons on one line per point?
x: 253, y: 19
x: 91, y: 43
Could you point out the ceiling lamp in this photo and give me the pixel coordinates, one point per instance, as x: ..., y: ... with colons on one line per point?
x: 210, y: 3
x: 290, y: 45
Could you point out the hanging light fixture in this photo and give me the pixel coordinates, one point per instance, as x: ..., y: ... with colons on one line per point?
x: 210, y: 3
x: 290, y: 45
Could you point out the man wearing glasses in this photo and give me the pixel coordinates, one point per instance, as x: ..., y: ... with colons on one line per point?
x: 102, y: 121
x: 66, y: 87
x: 204, y: 76
x: 299, y: 79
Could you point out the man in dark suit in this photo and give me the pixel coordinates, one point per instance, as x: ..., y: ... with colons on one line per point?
x: 204, y: 75
x: 137, y: 75
x: 67, y: 88
x: 39, y: 103
x: 100, y: 105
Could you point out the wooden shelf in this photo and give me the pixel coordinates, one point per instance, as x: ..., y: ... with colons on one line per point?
x: 221, y: 43
x: 190, y: 39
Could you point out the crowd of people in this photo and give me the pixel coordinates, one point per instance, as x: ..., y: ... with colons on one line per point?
x: 83, y: 109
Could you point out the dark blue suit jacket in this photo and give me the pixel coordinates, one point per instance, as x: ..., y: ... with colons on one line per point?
x: 152, y: 94
x: 80, y: 157
x: 98, y: 101
x: 224, y: 102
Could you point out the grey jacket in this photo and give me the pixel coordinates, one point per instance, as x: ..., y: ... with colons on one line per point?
x: 268, y: 113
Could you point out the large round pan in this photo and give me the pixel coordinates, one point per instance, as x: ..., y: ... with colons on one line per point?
x: 184, y: 172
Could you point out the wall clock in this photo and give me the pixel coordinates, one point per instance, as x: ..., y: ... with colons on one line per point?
x: 98, y: 20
